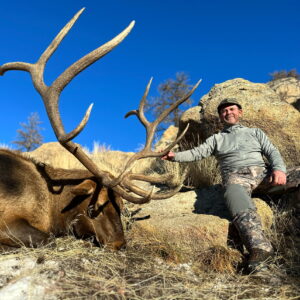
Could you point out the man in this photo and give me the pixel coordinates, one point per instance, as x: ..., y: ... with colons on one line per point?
x: 239, y: 151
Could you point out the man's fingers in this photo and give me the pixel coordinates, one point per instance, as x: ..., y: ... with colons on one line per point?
x: 278, y: 178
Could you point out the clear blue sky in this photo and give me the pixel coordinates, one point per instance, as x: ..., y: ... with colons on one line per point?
x: 213, y: 40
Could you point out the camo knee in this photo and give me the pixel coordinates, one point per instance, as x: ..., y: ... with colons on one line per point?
x: 237, y: 199
x: 250, y: 229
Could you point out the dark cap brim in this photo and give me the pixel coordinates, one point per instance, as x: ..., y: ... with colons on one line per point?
x: 228, y: 104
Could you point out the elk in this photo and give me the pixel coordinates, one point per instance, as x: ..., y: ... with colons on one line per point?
x: 38, y: 201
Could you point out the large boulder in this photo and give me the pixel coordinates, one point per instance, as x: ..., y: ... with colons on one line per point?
x: 288, y: 89
x: 192, y: 221
x: 262, y: 107
x: 167, y: 138
x: 194, y: 134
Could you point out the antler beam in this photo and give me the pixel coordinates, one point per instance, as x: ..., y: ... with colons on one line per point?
x: 123, y: 184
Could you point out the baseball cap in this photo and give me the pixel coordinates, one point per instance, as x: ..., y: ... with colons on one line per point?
x: 227, y: 102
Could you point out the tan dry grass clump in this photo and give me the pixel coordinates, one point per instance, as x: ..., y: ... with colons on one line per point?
x: 57, y: 156
x: 202, y: 173
x: 285, y: 236
x: 74, y: 269
x: 184, y: 247
x: 199, y: 174
x: 113, y: 161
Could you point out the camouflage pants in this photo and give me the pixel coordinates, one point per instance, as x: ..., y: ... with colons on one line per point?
x: 249, y: 177
x: 249, y: 226
x: 239, y: 185
x: 238, y: 188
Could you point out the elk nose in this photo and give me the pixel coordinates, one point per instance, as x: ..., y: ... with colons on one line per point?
x: 118, y: 245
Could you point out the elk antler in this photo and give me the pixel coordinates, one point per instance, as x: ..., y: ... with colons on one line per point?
x: 51, y: 94
x: 150, y: 131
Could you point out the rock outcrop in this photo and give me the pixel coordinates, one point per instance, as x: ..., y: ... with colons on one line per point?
x: 262, y: 107
x: 167, y: 138
x: 196, y: 219
x: 288, y: 89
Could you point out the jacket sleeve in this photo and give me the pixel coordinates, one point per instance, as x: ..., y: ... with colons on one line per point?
x: 204, y: 150
x: 270, y: 151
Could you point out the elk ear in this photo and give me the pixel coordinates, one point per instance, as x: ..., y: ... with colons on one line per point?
x: 87, y: 187
x: 119, y: 201
x: 103, y: 198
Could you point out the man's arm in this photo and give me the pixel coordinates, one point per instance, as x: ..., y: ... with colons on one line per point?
x: 273, y: 155
x: 204, y: 150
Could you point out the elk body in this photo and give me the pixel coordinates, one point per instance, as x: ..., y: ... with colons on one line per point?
x: 37, y: 200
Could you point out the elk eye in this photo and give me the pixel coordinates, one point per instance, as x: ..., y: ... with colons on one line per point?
x: 90, y: 211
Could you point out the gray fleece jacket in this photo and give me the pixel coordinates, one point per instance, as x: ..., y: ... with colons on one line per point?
x: 236, y: 147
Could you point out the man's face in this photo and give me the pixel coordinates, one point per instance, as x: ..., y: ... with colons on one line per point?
x: 230, y: 115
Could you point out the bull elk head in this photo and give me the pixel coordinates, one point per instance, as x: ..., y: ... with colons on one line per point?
x: 123, y: 184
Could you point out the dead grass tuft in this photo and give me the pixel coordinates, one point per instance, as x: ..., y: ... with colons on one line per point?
x: 219, y: 259
x: 203, y: 173
x: 156, y: 267
x: 184, y: 249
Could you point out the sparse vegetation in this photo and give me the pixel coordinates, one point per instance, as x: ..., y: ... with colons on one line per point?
x: 153, y: 268
x: 203, y: 173
x: 284, y: 74
x: 29, y: 137
x: 170, y: 91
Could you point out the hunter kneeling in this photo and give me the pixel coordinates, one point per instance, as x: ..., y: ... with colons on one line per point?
x: 239, y: 151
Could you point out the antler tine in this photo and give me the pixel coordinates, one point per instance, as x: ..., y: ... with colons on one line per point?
x: 37, y: 69
x: 151, y: 128
x: 140, y: 112
x: 166, y: 112
x: 133, y: 199
x: 50, y: 95
x: 167, y: 149
x: 144, y: 194
x: 61, y: 82
x: 16, y: 66
x: 70, y: 136
x: 152, y: 179
x: 58, y: 39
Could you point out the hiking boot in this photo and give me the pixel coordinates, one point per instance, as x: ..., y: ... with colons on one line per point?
x: 250, y: 230
x: 259, y: 260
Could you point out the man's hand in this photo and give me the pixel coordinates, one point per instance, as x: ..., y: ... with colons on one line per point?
x: 278, y: 178
x: 169, y: 156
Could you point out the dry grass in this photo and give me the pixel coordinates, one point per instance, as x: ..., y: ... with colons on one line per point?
x: 153, y: 268
x: 285, y: 236
x: 203, y: 173
x: 156, y: 267
x: 184, y: 250
x: 199, y: 174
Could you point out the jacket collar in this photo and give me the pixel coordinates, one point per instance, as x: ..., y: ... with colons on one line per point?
x: 232, y: 128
